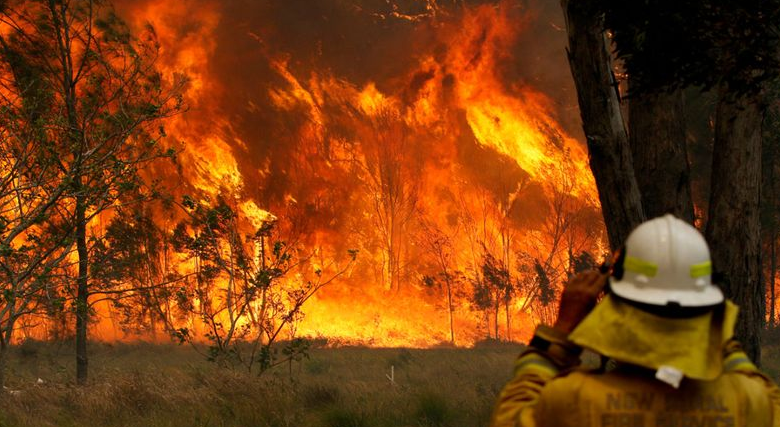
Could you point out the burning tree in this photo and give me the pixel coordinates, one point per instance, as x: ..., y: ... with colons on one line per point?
x: 389, y: 166
x: 496, y: 286
x: 132, y: 268
x: 440, y: 249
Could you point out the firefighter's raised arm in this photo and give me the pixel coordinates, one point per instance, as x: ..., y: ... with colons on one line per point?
x: 548, y: 353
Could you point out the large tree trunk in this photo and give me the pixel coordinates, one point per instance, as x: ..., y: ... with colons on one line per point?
x: 769, y: 220
x: 605, y: 132
x: 82, y: 292
x: 733, y: 227
x: 660, y: 155
x: 772, y: 274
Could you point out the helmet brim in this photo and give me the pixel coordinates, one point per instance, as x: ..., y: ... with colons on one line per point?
x: 707, y: 296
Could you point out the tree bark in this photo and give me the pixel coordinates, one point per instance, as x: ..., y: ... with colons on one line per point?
x: 660, y: 155
x: 769, y: 220
x: 82, y: 292
x: 733, y: 227
x: 772, y: 274
x: 605, y: 131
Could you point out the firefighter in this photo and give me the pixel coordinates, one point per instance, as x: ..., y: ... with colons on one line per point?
x: 667, y: 333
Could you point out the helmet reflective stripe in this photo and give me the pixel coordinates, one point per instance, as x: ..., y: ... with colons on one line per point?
x: 703, y: 269
x: 667, y: 261
x: 640, y: 266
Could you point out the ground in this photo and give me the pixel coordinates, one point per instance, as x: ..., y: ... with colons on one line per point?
x: 168, y: 385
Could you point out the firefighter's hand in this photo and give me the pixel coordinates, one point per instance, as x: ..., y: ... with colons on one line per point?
x: 578, y: 299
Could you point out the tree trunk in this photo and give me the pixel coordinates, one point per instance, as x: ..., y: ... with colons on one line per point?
x: 769, y: 219
x: 487, y: 323
x: 733, y: 227
x: 495, y: 317
x: 508, y: 320
x: 660, y: 155
x: 605, y: 132
x: 82, y: 293
x: 772, y: 274
x: 450, y: 309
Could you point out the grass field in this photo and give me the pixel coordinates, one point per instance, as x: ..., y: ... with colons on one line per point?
x: 168, y: 385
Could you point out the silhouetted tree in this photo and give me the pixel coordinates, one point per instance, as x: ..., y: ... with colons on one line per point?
x: 257, y: 298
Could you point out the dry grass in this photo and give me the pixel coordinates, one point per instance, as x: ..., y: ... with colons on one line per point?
x: 167, y: 385
x: 162, y: 385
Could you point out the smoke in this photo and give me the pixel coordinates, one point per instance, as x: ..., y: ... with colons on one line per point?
x: 357, y: 41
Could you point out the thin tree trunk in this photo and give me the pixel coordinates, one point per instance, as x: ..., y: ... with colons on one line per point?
x: 660, y: 155
x: 495, y: 316
x: 450, y: 310
x: 733, y: 227
x: 487, y: 323
x: 508, y: 320
x: 610, y: 155
x: 82, y: 293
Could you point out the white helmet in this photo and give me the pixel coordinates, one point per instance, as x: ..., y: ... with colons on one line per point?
x: 667, y: 260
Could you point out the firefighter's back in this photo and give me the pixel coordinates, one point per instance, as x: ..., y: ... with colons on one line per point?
x: 634, y: 398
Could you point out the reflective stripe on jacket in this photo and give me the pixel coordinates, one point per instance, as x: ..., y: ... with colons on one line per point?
x: 540, y: 395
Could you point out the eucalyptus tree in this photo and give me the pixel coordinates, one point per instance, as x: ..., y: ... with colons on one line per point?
x: 100, y: 100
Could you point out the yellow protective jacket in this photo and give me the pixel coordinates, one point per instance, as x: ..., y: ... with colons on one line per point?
x: 541, y: 395
x: 721, y: 386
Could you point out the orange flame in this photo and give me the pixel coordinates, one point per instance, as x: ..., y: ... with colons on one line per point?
x: 431, y: 123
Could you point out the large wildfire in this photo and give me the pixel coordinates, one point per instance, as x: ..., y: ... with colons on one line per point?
x: 432, y: 137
